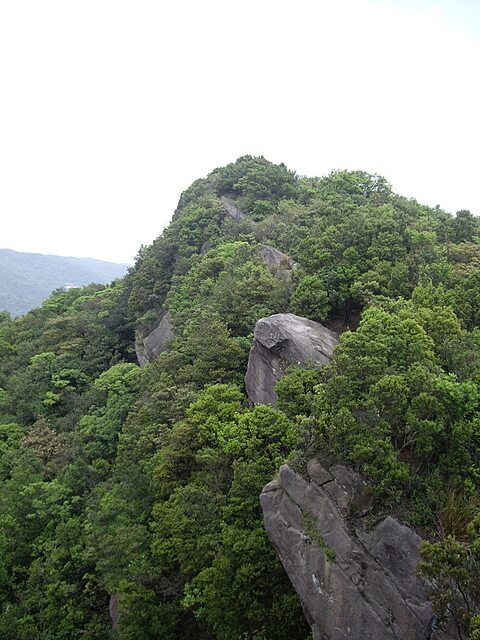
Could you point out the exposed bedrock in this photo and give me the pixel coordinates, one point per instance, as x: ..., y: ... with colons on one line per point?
x: 275, y: 259
x: 280, y: 341
x: 148, y: 347
x: 278, y: 263
x: 353, y: 584
x: 232, y: 210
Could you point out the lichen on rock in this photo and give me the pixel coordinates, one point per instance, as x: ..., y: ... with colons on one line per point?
x: 353, y: 584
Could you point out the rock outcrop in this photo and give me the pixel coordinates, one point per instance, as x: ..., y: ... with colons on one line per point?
x: 280, y: 341
x: 114, y: 611
x: 148, y: 347
x: 232, y: 210
x: 278, y: 263
x: 275, y: 259
x: 353, y: 584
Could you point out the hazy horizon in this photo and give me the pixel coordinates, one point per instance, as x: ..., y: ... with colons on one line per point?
x: 41, y: 253
x: 111, y: 110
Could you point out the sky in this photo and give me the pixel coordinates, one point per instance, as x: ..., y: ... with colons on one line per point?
x: 109, y: 109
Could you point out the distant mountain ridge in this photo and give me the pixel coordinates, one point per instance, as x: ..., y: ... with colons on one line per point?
x: 26, y: 279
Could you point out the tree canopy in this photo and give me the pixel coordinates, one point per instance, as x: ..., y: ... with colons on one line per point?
x: 136, y: 489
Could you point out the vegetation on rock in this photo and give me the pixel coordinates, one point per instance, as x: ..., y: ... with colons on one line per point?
x: 144, y: 483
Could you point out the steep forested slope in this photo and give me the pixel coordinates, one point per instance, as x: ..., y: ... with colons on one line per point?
x: 133, y: 492
x: 28, y: 278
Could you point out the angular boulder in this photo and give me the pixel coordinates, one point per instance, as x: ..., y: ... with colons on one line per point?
x: 148, y: 347
x: 353, y: 584
x: 280, y: 341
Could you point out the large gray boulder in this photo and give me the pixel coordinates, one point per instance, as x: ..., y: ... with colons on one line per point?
x: 353, y: 584
x: 280, y: 341
x: 148, y: 347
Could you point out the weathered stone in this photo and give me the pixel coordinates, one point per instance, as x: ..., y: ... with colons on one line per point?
x: 232, y: 210
x: 280, y: 341
x: 318, y: 473
x: 114, y: 610
x: 275, y: 259
x: 150, y: 346
x: 279, y: 264
x: 353, y: 584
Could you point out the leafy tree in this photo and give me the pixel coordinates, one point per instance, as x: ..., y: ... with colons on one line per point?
x: 142, y: 484
x: 311, y: 299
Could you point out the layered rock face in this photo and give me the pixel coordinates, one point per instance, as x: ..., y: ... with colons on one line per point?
x: 353, y: 584
x: 280, y: 341
x: 150, y: 346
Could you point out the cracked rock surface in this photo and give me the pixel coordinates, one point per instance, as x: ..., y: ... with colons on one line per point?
x: 282, y: 340
x: 353, y: 584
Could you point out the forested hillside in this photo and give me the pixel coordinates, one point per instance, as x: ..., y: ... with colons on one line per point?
x: 28, y: 278
x: 129, y: 496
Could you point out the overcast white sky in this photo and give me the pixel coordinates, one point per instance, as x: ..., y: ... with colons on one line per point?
x: 109, y: 108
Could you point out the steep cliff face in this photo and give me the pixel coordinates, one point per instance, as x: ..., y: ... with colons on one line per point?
x: 353, y: 584
x: 282, y: 340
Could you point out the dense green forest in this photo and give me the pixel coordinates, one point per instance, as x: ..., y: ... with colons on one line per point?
x: 136, y: 489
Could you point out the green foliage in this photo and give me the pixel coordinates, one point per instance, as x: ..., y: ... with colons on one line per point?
x: 29, y: 278
x: 257, y: 183
x: 315, y: 536
x: 296, y: 392
x: 210, y: 353
x: 231, y: 280
x: 144, y: 483
x: 452, y: 567
x: 210, y: 527
x: 311, y: 299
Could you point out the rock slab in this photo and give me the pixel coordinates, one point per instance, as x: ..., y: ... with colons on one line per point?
x: 282, y: 340
x: 232, y: 210
x: 353, y: 584
x: 150, y: 346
